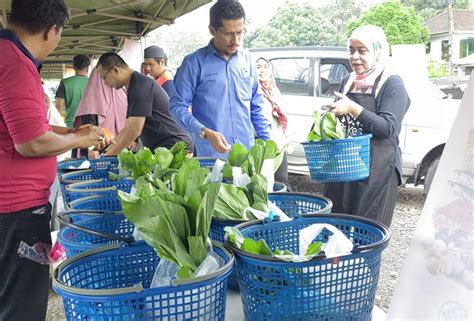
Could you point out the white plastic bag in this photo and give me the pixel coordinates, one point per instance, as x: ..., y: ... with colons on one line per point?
x: 216, y: 173
x: 337, y: 244
x: 268, y: 171
x: 240, y: 179
x: 274, y: 211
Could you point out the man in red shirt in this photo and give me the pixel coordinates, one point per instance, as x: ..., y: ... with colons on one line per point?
x: 28, y: 146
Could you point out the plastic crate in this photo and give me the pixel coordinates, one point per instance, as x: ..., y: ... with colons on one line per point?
x: 112, y: 283
x: 206, y: 161
x: 340, y: 288
x: 339, y: 160
x: 97, y: 187
x: 292, y: 204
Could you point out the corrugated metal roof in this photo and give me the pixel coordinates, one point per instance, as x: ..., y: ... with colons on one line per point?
x: 98, y: 26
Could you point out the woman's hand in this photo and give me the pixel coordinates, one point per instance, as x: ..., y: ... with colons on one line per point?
x: 345, y: 106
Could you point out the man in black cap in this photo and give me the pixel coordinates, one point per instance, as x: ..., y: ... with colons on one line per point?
x: 70, y: 90
x: 156, y: 60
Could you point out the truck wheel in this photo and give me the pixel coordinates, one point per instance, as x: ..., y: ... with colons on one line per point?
x: 430, y: 174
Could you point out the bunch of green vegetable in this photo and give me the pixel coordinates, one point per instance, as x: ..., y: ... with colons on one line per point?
x: 326, y: 126
x: 232, y: 200
x: 252, y: 162
x: 176, y: 224
x: 162, y: 162
x: 260, y: 247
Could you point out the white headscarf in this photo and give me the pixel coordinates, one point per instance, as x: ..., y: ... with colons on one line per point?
x: 373, y: 38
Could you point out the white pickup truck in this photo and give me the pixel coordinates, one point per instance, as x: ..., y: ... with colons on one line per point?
x: 307, y: 78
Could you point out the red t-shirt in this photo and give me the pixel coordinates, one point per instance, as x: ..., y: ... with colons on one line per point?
x: 24, y: 182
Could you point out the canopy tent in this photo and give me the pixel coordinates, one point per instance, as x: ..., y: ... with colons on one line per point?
x: 98, y: 26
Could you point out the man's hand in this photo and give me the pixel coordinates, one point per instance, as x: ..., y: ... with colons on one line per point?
x: 90, y: 136
x: 217, y: 140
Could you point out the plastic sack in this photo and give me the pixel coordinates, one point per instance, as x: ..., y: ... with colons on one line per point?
x: 136, y: 235
x: 337, y: 244
x: 272, y: 213
x: 39, y: 252
x: 268, y: 171
x: 211, y: 263
x: 216, y: 173
x: 84, y: 165
x: 57, y: 253
x: 240, y: 179
x: 164, y: 273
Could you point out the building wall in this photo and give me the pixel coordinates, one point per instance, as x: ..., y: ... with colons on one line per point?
x: 436, y: 45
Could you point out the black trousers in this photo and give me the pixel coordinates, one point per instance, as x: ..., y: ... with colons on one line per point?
x: 24, y: 284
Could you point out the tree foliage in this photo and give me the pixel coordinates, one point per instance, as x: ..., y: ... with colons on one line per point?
x: 401, y: 24
x: 305, y: 25
x: 437, y: 5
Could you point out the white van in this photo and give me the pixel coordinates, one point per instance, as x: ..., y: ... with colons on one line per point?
x: 307, y: 78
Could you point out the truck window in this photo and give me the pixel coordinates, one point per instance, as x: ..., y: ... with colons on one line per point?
x: 292, y: 75
x: 331, y: 76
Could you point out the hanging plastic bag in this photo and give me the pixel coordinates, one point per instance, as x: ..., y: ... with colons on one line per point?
x: 39, y: 252
x: 240, y: 179
x: 216, y: 173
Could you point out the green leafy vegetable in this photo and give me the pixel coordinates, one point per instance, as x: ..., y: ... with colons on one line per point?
x: 331, y: 127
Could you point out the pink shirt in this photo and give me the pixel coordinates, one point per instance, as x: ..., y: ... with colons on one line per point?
x: 24, y: 182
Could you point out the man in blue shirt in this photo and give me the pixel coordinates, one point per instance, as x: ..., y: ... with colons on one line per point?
x: 220, y: 83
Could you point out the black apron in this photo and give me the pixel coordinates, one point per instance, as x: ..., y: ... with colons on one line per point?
x: 375, y: 196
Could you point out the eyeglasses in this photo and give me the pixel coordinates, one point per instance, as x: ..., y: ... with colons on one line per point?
x: 231, y: 35
x: 107, y: 72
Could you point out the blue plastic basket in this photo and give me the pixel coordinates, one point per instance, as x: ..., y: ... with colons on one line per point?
x: 339, y: 160
x: 341, y: 288
x: 100, y: 164
x: 106, y: 203
x: 81, y: 176
x: 97, y: 187
x: 206, y: 161
x: 112, y: 283
x: 89, y: 234
x: 292, y: 204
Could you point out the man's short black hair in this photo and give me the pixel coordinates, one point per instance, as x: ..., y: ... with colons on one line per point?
x: 111, y: 59
x: 81, y: 62
x: 225, y: 10
x: 38, y: 15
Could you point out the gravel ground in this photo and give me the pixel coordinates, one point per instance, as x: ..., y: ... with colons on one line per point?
x: 407, y: 211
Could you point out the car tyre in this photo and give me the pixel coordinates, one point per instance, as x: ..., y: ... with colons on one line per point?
x: 430, y: 172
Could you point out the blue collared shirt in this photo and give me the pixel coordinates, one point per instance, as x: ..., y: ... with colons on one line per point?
x: 9, y: 35
x: 224, y: 95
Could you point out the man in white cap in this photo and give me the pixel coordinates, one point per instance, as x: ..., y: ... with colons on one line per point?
x: 156, y: 60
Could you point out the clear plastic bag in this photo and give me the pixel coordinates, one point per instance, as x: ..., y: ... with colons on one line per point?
x: 39, y: 252
x: 216, y: 173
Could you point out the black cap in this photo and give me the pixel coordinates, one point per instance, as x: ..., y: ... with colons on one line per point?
x: 154, y: 52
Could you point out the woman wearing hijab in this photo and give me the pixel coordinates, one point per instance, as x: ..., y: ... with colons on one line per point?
x: 376, y: 102
x: 274, y: 114
x: 102, y: 106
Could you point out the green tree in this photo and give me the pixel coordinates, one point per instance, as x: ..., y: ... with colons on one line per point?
x: 401, y: 24
x: 305, y: 25
x: 429, y: 9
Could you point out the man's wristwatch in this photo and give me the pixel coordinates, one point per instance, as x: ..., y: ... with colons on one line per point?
x: 202, y: 133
